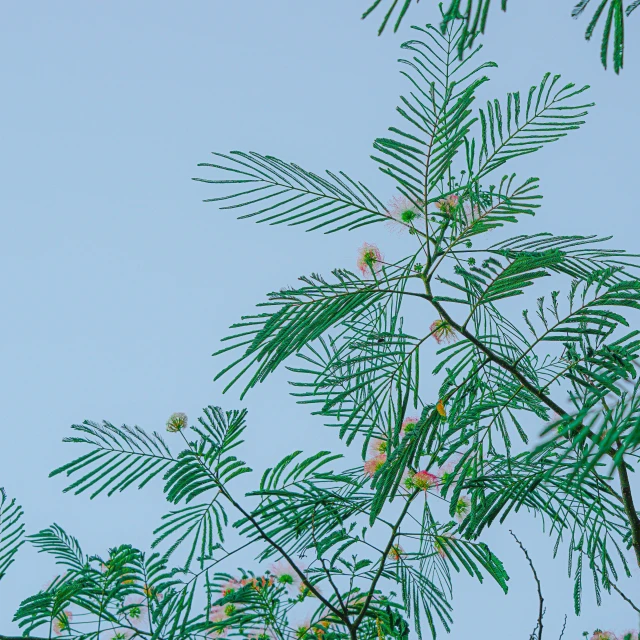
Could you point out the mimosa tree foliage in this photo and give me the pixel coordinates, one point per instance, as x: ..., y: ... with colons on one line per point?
x: 609, y: 14
x: 369, y: 549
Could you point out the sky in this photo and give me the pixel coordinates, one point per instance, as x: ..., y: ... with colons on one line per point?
x: 118, y: 282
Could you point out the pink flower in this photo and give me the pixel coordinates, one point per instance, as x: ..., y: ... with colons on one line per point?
x: 463, y: 506
x: 471, y: 212
x: 442, y: 331
x: 230, y: 586
x: 446, y: 470
x: 396, y: 552
x: 440, y: 542
x: 217, y: 614
x: 369, y: 259
x: 403, y: 213
x: 629, y: 635
x: 604, y: 635
x: 422, y: 480
x: 62, y: 622
x: 448, y: 204
x: 408, y: 425
x: 377, y: 446
x: 372, y: 465
x: 285, y: 575
x: 135, y: 610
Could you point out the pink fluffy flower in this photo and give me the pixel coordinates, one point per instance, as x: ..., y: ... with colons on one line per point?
x: 463, y: 506
x: 446, y: 471
x: 440, y: 542
x: 448, y: 204
x: 408, y: 425
x: 422, y: 480
x: 369, y: 259
x: 230, y: 586
x: 604, y: 635
x: 372, y: 465
x: 62, y: 622
x: 284, y: 574
x: 471, y: 212
x: 629, y: 635
x: 443, y: 332
x: 217, y: 614
x: 403, y: 213
x: 135, y: 610
x: 378, y: 446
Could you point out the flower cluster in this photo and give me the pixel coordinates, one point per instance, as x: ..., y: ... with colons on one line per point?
x: 280, y: 574
x: 369, y: 259
x: 62, y: 622
x: 598, y: 634
x: 422, y: 480
x: 403, y: 213
x: 176, y: 422
x: 283, y: 573
x: 378, y: 448
x: 439, y: 544
x: 447, y: 205
x: 219, y: 613
x: 307, y: 629
x: 396, y: 552
x: 443, y: 332
x: 135, y: 610
x: 372, y: 465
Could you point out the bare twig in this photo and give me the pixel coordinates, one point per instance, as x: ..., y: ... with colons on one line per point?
x: 564, y: 626
x: 535, y: 575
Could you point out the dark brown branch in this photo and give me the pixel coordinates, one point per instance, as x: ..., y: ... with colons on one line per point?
x: 535, y: 575
x: 627, y: 497
x: 629, y: 508
x: 265, y: 536
x: 385, y: 555
x: 564, y: 626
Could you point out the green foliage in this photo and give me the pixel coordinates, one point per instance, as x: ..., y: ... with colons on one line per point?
x: 11, y: 531
x: 371, y: 544
x: 360, y: 368
x: 474, y: 14
x: 287, y: 194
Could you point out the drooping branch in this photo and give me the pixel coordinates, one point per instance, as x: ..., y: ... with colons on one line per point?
x: 627, y: 496
x: 535, y: 575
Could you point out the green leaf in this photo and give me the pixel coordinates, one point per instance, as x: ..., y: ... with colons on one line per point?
x: 11, y: 531
x: 277, y: 192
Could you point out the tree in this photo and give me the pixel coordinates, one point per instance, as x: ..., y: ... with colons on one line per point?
x: 476, y: 12
x: 381, y: 540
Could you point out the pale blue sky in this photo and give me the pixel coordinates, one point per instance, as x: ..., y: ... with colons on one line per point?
x: 118, y: 282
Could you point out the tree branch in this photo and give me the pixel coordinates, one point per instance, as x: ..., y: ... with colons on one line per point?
x: 374, y: 582
x: 265, y: 536
x: 627, y: 497
x: 535, y: 575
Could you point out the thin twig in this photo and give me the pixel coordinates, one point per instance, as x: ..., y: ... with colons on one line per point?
x: 535, y: 575
x: 564, y: 626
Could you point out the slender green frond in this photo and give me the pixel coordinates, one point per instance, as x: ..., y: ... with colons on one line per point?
x: 277, y: 192
x: 11, y: 531
x: 119, y: 458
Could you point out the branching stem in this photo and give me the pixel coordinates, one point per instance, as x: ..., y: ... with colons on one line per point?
x: 627, y: 497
